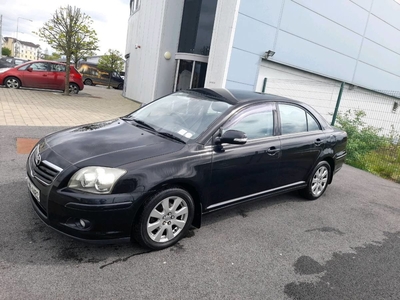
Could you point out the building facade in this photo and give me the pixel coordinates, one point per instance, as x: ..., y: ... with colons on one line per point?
x: 22, y: 49
x: 180, y: 44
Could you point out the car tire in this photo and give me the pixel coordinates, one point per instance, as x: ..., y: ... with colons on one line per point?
x: 318, y: 181
x: 12, y: 83
x: 88, y: 82
x: 165, y: 219
x: 73, y: 88
x: 120, y: 86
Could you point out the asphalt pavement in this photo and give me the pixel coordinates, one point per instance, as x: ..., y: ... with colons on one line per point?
x: 345, y: 245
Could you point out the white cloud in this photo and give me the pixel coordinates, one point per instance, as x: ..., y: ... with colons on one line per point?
x: 110, y: 19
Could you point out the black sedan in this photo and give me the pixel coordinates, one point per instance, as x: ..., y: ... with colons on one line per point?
x: 152, y: 174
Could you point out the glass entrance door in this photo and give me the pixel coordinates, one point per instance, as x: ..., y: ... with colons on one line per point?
x: 190, y: 74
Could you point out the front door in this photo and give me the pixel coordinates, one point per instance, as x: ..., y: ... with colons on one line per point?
x: 241, y: 171
x: 37, y: 76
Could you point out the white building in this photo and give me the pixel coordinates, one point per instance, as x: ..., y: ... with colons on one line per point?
x: 22, y: 49
x: 175, y: 44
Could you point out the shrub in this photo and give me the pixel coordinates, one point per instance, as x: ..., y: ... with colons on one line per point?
x: 367, y: 149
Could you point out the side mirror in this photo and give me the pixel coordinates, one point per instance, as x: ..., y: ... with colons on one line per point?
x: 29, y: 69
x: 232, y: 137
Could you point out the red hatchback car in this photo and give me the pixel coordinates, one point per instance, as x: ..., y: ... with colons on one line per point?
x: 41, y: 74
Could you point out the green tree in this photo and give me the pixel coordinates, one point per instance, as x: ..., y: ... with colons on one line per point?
x: 69, y: 31
x: 110, y: 62
x: 84, y: 46
x: 53, y: 56
x: 5, y: 51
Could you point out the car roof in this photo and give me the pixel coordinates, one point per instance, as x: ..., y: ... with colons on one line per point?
x: 233, y: 96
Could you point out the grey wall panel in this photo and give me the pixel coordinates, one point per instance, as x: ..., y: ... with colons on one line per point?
x: 244, y: 67
x: 340, y: 11
x: 373, y: 78
x: 384, y: 34
x: 266, y: 11
x: 380, y: 57
x: 387, y: 10
x: 308, y: 56
x: 366, y: 4
x: 253, y: 36
x: 305, y: 23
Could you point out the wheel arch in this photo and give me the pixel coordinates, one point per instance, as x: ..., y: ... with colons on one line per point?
x: 12, y: 76
x: 331, y: 163
x: 182, y: 184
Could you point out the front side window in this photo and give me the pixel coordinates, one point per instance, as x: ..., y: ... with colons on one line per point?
x: 183, y: 114
x: 39, y: 66
x: 256, y: 121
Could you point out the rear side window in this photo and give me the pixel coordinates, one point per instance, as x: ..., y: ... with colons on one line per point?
x: 295, y: 119
x: 312, y: 123
x: 57, y: 68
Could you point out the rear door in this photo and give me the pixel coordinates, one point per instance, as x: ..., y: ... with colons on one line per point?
x: 57, y: 76
x: 302, y: 142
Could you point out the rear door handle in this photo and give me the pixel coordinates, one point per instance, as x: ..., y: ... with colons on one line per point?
x: 272, y: 150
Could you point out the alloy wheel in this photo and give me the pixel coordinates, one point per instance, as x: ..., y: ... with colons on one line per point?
x: 167, y: 219
x: 12, y: 83
x: 319, y: 181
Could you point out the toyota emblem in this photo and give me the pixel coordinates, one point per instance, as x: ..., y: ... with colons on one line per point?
x: 38, y: 159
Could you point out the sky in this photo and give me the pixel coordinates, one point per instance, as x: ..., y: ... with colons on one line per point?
x: 110, y: 20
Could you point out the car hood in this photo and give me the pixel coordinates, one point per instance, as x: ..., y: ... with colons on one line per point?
x: 112, y: 143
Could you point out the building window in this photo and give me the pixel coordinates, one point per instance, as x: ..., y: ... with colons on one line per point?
x: 197, y: 26
x: 135, y: 5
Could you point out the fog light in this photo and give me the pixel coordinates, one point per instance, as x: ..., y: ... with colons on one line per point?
x: 84, y: 223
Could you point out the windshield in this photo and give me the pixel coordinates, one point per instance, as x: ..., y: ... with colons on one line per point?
x: 185, y: 115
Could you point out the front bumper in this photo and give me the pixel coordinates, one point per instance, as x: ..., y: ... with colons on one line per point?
x: 80, y: 215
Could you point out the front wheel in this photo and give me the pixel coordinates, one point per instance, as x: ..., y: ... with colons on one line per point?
x: 12, y: 83
x: 73, y: 88
x: 318, y: 181
x: 165, y: 219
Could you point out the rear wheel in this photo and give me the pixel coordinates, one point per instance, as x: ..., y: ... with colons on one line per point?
x: 165, y: 219
x: 318, y: 181
x: 12, y: 83
x: 88, y: 82
x: 73, y: 88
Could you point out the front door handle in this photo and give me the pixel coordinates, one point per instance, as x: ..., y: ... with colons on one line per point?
x: 272, y: 150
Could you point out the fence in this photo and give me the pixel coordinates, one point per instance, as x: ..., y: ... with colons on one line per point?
x: 371, y: 119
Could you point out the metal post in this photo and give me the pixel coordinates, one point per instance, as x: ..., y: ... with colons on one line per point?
x: 264, y: 85
x: 337, y: 104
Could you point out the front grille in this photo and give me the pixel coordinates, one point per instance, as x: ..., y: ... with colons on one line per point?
x: 45, y: 171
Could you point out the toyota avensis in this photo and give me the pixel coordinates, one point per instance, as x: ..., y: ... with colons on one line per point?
x: 152, y: 174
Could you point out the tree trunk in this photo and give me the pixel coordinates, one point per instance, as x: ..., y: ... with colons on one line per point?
x: 67, y: 71
x: 109, y: 80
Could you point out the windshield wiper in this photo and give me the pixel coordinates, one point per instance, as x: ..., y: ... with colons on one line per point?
x: 171, y: 136
x: 140, y: 122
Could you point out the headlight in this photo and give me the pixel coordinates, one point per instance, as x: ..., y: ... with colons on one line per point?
x: 96, y: 180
